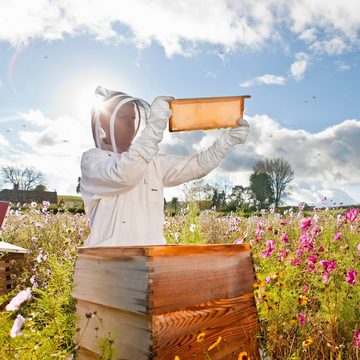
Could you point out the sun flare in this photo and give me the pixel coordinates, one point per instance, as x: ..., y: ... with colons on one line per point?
x: 77, y: 96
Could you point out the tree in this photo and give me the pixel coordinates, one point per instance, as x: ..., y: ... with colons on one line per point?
x: 22, y: 178
x: 281, y: 175
x: 174, y: 203
x: 240, y: 198
x: 40, y: 188
x: 260, y: 186
x: 78, y: 185
x: 200, y: 192
x: 215, y: 198
x: 218, y: 198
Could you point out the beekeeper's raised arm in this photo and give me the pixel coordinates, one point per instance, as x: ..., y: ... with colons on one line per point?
x: 176, y: 170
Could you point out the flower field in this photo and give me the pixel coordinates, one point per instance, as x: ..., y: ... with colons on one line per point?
x: 307, y: 289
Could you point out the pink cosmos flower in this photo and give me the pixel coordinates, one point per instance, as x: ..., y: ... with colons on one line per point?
x: 315, y: 230
x: 16, y: 328
x: 325, y: 276
x: 299, y: 252
x: 270, y: 248
x: 351, y: 277
x: 329, y: 267
x: 17, y: 300
x: 305, y: 224
x: 358, y: 247
x: 297, y: 261
x: 257, y: 239
x: 307, y: 242
x: 356, y: 338
x: 320, y: 249
x: 303, y: 319
x: 337, y: 236
x: 282, y: 254
x: 285, y: 237
x: 352, y: 214
x: 305, y: 288
x: 311, y: 262
x: 259, y: 230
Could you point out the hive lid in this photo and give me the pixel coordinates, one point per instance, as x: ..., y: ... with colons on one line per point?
x: 10, y: 248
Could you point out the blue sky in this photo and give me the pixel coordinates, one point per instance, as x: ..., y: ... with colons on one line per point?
x: 299, y: 60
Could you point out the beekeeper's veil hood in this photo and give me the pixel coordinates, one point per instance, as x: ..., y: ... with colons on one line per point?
x: 116, y: 119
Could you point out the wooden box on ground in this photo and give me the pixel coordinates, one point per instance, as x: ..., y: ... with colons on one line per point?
x: 159, y: 302
x: 8, y: 253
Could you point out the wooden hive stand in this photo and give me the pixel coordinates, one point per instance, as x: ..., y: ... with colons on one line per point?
x: 166, y: 302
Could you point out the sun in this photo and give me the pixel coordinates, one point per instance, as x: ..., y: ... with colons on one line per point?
x: 77, y: 94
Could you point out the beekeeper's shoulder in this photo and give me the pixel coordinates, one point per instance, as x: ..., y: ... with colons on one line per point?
x: 95, y: 155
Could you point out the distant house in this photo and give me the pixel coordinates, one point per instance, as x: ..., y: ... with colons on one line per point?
x: 22, y: 196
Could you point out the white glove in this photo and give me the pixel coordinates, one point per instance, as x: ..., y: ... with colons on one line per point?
x: 147, y: 144
x: 211, y: 158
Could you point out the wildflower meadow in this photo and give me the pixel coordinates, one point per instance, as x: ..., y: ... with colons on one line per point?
x: 307, y: 292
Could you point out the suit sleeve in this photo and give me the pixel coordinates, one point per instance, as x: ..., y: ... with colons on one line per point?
x: 104, y: 174
x: 176, y: 170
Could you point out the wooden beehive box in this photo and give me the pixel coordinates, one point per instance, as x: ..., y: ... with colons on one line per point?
x: 8, y: 253
x: 159, y: 302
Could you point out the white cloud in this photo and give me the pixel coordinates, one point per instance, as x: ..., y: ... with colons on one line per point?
x: 267, y: 79
x: 324, y: 162
x: 3, y: 141
x: 342, y: 66
x: 309, y: 35
x: 325, y: 25
x: 334, y: 46
x: 331, y: 16
x: 313, y: 194
x: 175, y: 26
x: 209, y: 74
x: 296, y: 71
x: 248, y: 83
x: 271, y: 79
x: 329, y: 156
x: 35, y: 117
x: 298, y: 68
x: 55, y: 149
x: 61, y: 136
x: 328, y: 26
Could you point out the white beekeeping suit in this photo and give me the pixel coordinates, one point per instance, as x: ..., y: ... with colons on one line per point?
x: 123, y: 177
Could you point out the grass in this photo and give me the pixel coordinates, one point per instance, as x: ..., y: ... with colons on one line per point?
x: 69, y: 201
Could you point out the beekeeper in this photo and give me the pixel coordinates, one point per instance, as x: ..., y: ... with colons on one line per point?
x: 123, y: 177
